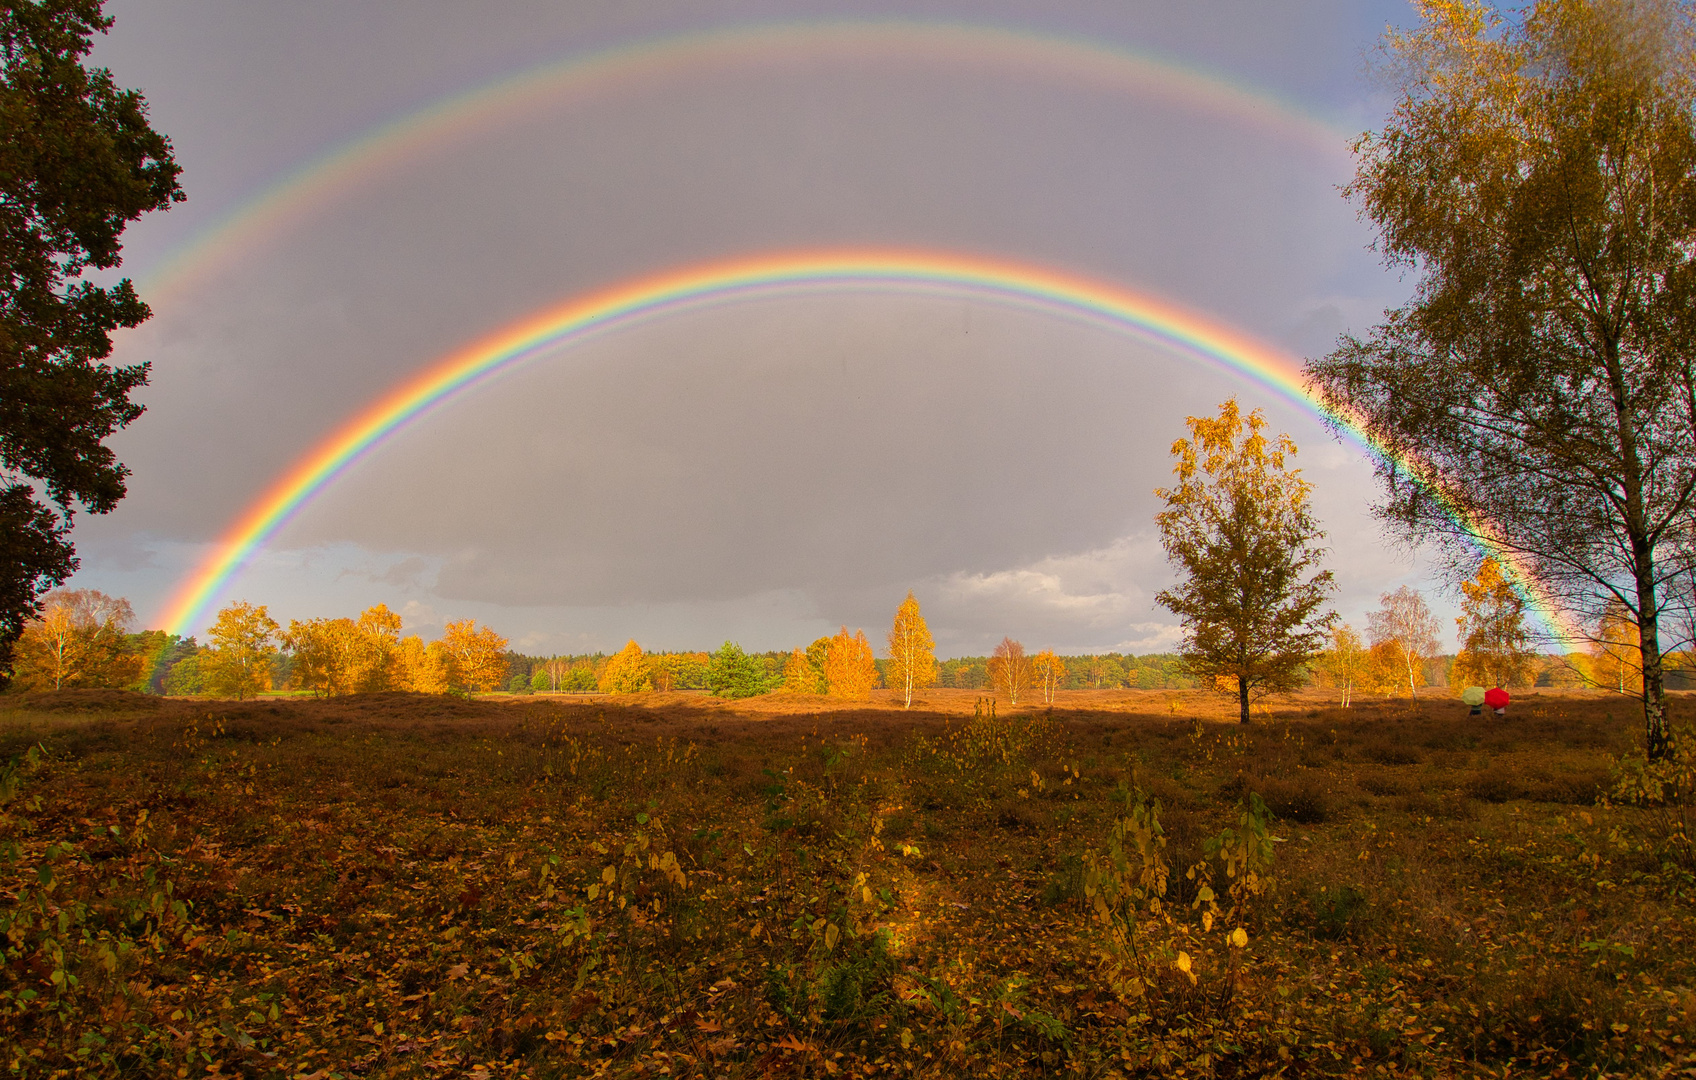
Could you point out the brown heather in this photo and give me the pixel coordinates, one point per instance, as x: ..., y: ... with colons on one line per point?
x: 666, y: 884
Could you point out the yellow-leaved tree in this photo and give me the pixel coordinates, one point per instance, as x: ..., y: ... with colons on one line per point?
x: 849, y: 670
x: 1404, y: 634
x: 410, y: 662
x: 912, y: 656
x: 341, y: 656
x: 467, y: 659
x: 1239, y: 527
x: 78, y: 640
x: 237, y: 663
x: 1616, y: 652
x: 1009, y: 670
x: 800, y: 676
x: 438, y: 671
x: 381, y: 628
x: 326, y: 652
x: 1494, y: 643
x: 627, y: 672
x: 1048, y: 671
x: 1346, y: 663
x: 1386, y: 671
x: 662, y: 672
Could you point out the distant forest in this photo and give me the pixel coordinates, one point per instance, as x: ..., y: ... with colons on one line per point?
x: 1096, y: 671
x: 168, y: 664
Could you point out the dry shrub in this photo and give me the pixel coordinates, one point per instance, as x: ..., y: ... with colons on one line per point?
x: 1301, y: 800
x: 1450, y: 738
x: 1499, y: 784
x: 1574, y: 788
x: 83, y: 701
x: 1494, y: 785
x: 1382, y: 785
x: 1451, y: 807
x: 1390, y: 753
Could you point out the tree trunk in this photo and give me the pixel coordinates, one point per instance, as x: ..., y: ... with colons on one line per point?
x: 1656, y: 738
x: 1656, y: 741
x: 1242, y: 697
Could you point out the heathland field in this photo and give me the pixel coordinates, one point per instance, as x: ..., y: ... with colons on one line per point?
x: 400, y: 885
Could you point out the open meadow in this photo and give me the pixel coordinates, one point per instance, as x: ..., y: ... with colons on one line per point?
x: 407, y: 885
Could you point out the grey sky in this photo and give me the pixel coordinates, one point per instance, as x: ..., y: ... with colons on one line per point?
x: 763, y: 470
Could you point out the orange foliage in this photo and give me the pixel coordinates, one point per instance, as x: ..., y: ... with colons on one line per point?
x: 799, y: 674
x: 467, y: 658
x: 1048, y: 671
x: 1010, y: 670
x: 849, y: 670
x: 912, y: 661
x: 627, y: 672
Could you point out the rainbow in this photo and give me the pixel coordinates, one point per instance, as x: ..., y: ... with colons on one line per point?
x: 371, y: 154
x: 713, y: 284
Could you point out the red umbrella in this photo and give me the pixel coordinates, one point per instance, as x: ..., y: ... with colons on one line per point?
x: 1497, y: 698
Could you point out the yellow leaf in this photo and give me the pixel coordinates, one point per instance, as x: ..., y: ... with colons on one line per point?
x: 1239, y: 938
x: 1183, y: 963
x: 831, y: 936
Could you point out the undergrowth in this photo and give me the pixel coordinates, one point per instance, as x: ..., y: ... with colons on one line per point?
x: 465, y: 889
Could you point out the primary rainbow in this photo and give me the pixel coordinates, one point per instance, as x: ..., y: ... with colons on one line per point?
x: 907, y: 272
x: 392, y: 145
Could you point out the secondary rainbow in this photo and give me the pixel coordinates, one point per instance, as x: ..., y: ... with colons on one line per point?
x: 388, y: 147
x: 723, y: 282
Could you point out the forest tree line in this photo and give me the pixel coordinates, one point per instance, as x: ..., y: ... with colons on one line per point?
x: 83, y: 639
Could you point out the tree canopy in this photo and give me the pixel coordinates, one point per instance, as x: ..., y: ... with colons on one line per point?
x: 1495, y: 644
x: 1405, y: 634
x: 1239, y: 528
x: 1538, y: 175
x: 912, y: 656
x: 78, y: 163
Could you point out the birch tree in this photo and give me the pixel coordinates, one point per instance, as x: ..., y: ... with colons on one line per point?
x: 1538, y: 177
x: 1407, y: 634
x: 1048, y: 671
x: 912, y: 656
x: 1346, y: 662
x: 1010, y: 670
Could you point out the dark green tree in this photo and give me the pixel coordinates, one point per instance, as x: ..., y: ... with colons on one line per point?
x: 734, y: 674
x: 1538, y: 174
x: 78, y: 162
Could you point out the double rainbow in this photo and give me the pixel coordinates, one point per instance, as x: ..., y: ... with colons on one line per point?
x: 386, y: 148
x: 907, y: 272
